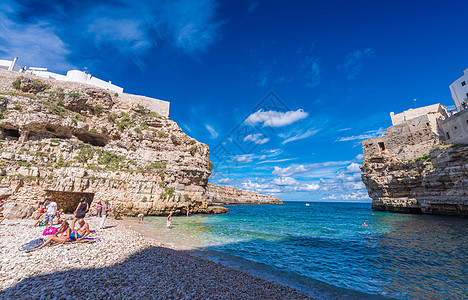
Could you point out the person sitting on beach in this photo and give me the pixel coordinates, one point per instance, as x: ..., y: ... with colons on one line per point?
x: 140, y: 218
x: 62, y: 235
x: 58, y: 217
x: 169, y: 220
x: 81, y: 232
x: 80, y: 211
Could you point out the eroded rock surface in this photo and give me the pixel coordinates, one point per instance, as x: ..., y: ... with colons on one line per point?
x: 217, y: 194
x: 67, y: 140
x: 436, y: 183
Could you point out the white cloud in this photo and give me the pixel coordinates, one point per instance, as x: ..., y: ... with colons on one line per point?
x: 348, y: 196
x: 355, y: 61
x: 311, y: 68
x: 214, y: 134
x: 36, y: 44
x: 308, y: 187
x: 365, y: 136
x: 252, y: 6
x: 300, y: 136
x: 244, y: 158
x: 285, y: 181
x: 359, y: 157
x: 224, y: 180
x: 276, y: 119
x: 353, y: 168
x: 256, y: 138
x: 291, y: 170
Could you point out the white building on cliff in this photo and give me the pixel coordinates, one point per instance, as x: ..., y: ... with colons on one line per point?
x: 459, y: 90
x: 72, y: 75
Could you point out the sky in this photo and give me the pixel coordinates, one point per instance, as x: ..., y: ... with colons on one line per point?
x: 283, y: 92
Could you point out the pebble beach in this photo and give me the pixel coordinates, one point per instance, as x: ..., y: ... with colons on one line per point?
x: 123, y: 264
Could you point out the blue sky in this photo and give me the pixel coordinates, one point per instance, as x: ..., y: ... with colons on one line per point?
x: 282, y: 92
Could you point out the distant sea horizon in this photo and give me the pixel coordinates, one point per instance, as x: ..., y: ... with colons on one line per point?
x: 331, y: 249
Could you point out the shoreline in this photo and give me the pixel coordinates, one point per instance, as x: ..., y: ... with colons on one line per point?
x: 125, y: 263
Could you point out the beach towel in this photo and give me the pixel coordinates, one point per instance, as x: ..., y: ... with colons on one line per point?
x: 32, y: 244
x: 49, y: 231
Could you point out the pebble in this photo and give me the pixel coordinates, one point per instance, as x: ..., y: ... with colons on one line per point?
x: 124, y: 265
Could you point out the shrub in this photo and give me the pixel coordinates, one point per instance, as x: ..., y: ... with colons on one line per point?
x: 144, y: 126
x: 193, y: 150
x: 141, y: 109
x: 174, y: 140
x: 111, y: 117
x: 125, y: 117
x: 425, y: 157
x: 116, y: 95
x: 192, y: 142
x: 74, y: 95
x: 138, y: 130
x: 17, y: 83
x: 163, y: 134
x: 93, y: 130
x: 210, y: 166
x: 74, y: 121
x: 98, y: 109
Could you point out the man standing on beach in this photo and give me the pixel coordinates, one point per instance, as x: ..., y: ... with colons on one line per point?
x: 51, y: 211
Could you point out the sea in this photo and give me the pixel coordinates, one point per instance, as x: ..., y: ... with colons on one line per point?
x: 331, y: 250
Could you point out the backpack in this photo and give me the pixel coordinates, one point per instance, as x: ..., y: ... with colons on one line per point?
x: 32, y: 245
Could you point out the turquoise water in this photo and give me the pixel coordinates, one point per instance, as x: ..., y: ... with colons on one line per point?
x: 325, y: 250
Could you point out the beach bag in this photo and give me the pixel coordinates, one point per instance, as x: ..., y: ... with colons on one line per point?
x: 32, y: 244
x: 50, y: 230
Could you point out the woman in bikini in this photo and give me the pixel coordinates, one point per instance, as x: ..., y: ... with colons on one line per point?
x: 62, y: 235
x: 80, y: 211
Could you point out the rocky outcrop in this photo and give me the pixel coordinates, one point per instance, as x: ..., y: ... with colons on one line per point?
x: 66, y: 140
x: 436, y: 183
x: 217, y: 194
x: 13, y: 210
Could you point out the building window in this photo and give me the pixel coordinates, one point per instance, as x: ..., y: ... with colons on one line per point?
x: 463, y: 83
x: 448, y: 136
x: 381, y: 146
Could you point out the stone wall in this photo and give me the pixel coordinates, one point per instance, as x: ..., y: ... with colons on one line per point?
x: 418, y: 112
x: 455, y: 128
x: 407, y: 140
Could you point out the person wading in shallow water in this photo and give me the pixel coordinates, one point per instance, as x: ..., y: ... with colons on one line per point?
x: 80, y: 211
x: 169, y: 220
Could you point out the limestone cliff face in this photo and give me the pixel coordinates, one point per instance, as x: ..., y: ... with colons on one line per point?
x: 436, y: 183
x: 219, y: 195
x: 66, y: 140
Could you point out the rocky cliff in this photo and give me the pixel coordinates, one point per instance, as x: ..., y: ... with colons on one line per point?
x: 220, y: 195
x: 65, y: 140
x: 436, y: 183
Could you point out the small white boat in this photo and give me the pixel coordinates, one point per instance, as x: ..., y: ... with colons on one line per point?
x: 307, y: 204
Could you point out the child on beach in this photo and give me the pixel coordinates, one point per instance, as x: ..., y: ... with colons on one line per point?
x: 169, y: 220
x: 140, y: 218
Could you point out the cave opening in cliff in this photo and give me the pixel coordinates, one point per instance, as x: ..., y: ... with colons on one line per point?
x: 13, y: 134
x: 68, y: 201
x: 93, y: 139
